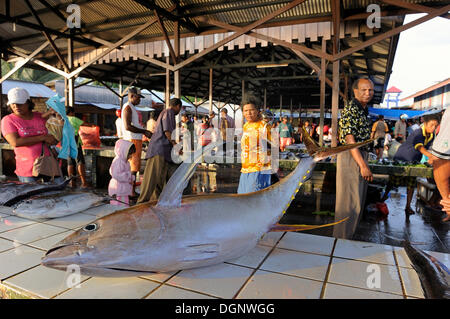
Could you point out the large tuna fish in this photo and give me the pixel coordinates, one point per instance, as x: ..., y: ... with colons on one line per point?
x: 179, y: 234
x: 13, y: 192
x: 55, y: 205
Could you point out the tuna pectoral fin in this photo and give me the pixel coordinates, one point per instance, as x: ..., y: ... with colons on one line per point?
x: 280, y: 227
x: 320, y: 153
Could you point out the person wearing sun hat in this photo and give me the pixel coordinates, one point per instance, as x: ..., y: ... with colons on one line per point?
x: 25, y: 130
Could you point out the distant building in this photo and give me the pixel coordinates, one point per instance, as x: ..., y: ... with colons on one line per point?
x: 434, y: 97
x: 393, y: 96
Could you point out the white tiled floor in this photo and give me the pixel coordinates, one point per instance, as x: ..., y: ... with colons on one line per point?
x: 282, y: 265
x: 222, y: 280
x: 18, y: 259
x: 363, y: 251
x: 32, y: 232
x: 297, y: 264
x: 360, y: 274
x: 169, y: 292
x: 111, y: 288
x: 13, y: 222
x: 268, y: 285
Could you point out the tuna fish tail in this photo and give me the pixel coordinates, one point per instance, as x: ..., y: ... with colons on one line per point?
x: 319, y: 153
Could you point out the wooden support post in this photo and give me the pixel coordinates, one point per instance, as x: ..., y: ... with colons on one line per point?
x: 167, y: 91
x: 335, y: 104
x: 323, y: 75
x: 281, y: 106
x: 265, y: 98
x: 210, y: 89
x: 70, y: 81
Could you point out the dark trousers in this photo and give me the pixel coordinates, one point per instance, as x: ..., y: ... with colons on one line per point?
x: 157, y: 173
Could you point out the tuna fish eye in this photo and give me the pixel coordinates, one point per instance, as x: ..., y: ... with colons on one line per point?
x: 90, y: 227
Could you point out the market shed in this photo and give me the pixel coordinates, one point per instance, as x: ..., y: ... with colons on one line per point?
x: 290, y: 54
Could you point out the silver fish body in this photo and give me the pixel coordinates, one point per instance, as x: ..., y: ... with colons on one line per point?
x: 55, y: 205
x: 181, y: 233
x: 13, y: 192
x: 204, y: 230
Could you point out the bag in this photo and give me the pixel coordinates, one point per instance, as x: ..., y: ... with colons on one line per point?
x: 90, y: 136
x: 46, y: 165
x: 55, y: 127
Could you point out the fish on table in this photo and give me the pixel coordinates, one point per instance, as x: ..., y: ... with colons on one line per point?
x: 178, y: 233
x: 13, y: 192
x: 56, y: 204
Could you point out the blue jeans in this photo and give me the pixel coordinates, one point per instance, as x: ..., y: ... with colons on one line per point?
x: 252, y: 182
x: 32, y: 179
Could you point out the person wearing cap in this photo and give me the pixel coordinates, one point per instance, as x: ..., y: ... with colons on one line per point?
x: 25, y: 130
x: 132, y: 129
x: 159, y: 166
x: 411, y: 151
x: 440, y: 159
x: 400, y: 128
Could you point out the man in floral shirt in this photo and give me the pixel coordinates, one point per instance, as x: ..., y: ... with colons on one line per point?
x: 353, y: 173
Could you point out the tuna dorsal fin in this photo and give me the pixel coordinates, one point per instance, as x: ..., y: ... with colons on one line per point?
x: 173, y: 191
x: 320, y: 153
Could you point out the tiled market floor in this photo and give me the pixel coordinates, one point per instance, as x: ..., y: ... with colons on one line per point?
x: 281, y: 266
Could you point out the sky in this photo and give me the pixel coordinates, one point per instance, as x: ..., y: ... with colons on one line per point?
x: 423, y: 56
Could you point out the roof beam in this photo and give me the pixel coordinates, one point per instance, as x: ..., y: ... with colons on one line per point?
x: 391, y: 33
x: 47, y: 36
x: 4, y: 18
x: 413, y: 6
x: 244, y: 30
x: 173, y: 56
x: 149, y: 4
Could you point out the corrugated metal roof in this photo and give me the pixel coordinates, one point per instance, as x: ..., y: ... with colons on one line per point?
x: 33, y: 89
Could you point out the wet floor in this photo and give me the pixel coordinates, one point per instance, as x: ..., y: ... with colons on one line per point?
x: 424, y: 228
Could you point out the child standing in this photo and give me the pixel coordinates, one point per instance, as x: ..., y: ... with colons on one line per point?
x: 121, y: 183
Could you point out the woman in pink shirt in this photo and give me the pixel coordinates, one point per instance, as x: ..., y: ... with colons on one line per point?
x: 25, y: 130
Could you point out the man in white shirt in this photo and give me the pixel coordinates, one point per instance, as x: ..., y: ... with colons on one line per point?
x: 440, y: 160
x: 132, y: 129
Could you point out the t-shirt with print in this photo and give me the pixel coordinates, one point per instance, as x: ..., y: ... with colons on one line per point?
x: 25, y: 155
x: 255, y: 155
x: 285, y: 130
x: 354, y: 120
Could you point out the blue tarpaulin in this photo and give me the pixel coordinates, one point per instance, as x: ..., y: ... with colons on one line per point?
x: 394, y: 114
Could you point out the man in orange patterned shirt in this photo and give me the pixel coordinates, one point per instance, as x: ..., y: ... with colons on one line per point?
x: 255, y: 154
